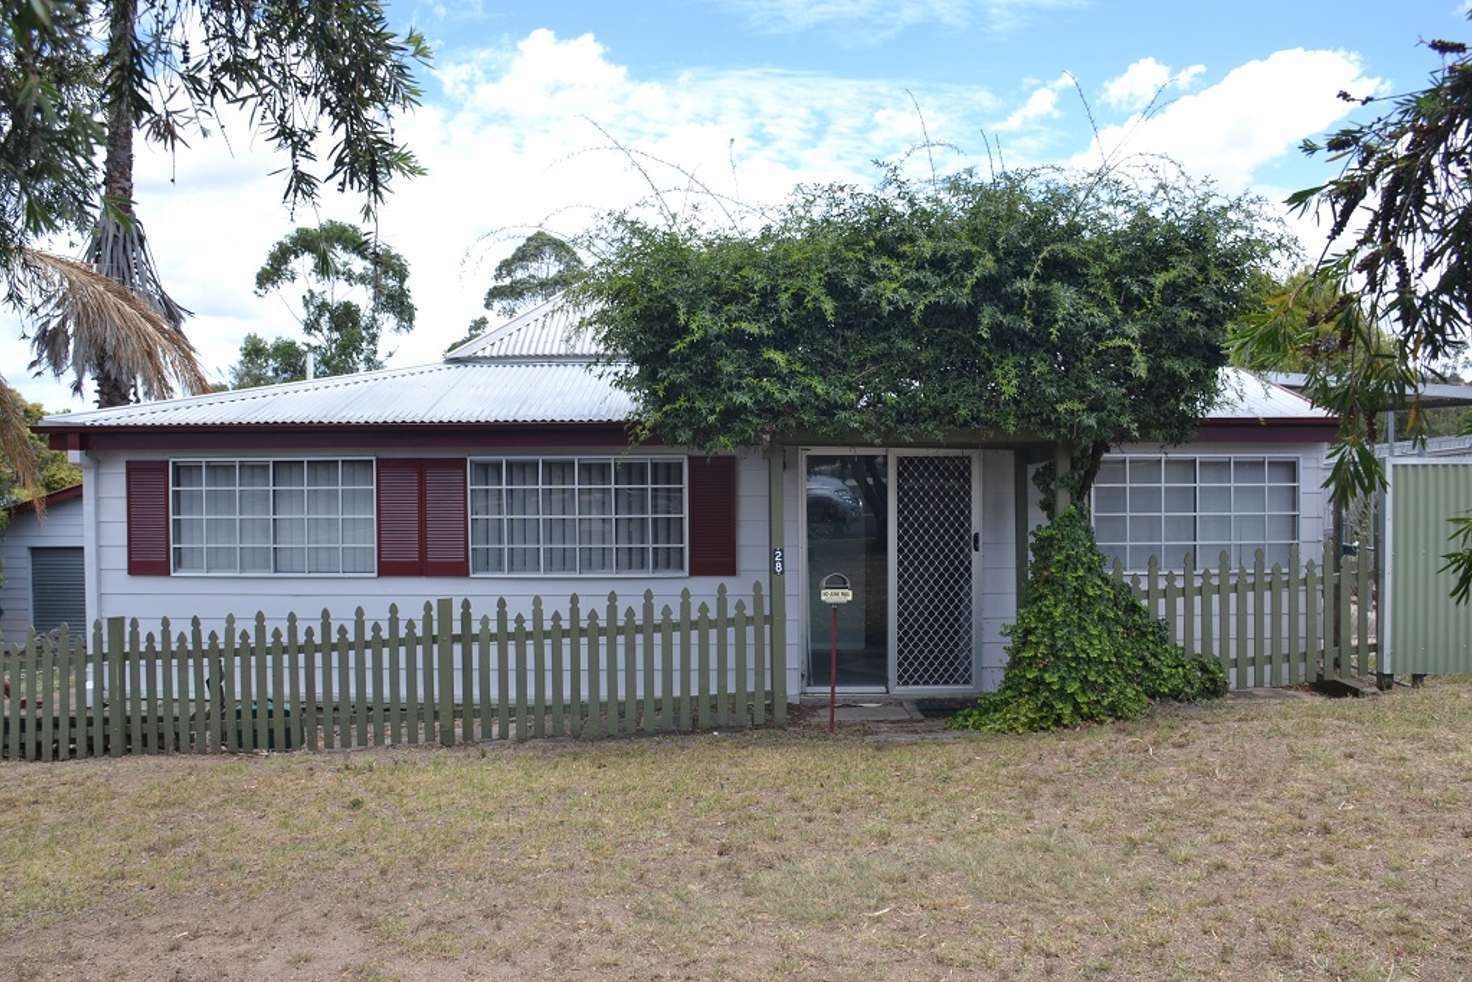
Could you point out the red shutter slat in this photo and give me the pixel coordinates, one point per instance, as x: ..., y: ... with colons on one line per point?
x: 712, y: 485
x: 400, y: 519
x: 446, y: 549
x: 148, y: 517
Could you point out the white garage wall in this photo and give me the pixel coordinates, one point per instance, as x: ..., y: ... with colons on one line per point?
x: 62, y: 527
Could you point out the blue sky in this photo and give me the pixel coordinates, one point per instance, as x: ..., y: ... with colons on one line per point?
x: 754, y: 96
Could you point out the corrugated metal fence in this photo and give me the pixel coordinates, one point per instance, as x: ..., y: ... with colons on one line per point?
x: 1426, y: 632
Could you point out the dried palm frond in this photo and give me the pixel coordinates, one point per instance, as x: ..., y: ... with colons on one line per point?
x: 119, y: 250
x: 91, y: 325
x: 15, y: 444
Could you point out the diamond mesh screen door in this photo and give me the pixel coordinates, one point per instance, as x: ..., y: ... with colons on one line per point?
x: 934, y: 643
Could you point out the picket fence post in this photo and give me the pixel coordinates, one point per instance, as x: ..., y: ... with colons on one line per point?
x: 759, y: 654
x: 445, y: 621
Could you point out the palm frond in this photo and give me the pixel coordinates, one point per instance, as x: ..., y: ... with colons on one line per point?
x: 15, y: 445
x: 119, y: 250
x: 90, y: 324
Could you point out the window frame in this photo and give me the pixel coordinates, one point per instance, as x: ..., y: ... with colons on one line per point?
x: 613, y: 459
x: 271, y: 516
x: 1197, y: 457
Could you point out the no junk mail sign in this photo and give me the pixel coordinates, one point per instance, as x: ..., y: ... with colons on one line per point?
x: 835, y: 589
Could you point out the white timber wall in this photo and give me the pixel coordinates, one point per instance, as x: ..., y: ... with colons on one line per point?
x: 62, y: 527
x: 111, y: 591
x: 213, y: 597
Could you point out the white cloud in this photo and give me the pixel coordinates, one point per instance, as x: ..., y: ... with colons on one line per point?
x: 1142, y: 80
x: 509, y: 145
x: 1256, y: 114
x: 1041, y: 104
x: 875, y: 20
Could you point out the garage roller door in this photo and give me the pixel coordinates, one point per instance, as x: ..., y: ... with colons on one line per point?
x: 57, y: 592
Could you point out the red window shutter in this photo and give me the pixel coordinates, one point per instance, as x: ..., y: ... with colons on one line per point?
x: 400, y: 518
x: 446, y: 546
x: 148, y: 517
x: 712, y: 487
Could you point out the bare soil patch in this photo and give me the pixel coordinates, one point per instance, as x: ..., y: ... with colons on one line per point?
x: 1253, y: 838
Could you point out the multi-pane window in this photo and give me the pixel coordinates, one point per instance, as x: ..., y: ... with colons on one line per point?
x: 571, y: 515
x: 1166, y: 506
x: 272, y: 516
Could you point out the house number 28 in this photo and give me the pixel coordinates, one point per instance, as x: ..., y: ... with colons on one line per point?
x: 779, y: 565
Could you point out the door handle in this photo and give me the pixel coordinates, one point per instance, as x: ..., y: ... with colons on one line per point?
x: 976, y: 542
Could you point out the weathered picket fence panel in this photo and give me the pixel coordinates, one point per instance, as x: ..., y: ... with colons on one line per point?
x: 342, y: 684
x: 1269, y: 626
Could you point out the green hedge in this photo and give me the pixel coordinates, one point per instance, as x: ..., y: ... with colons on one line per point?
x: 1083, y: 648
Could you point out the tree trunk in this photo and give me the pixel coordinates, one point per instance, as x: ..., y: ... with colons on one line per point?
x: 117, y: 174
x: 117, y: 183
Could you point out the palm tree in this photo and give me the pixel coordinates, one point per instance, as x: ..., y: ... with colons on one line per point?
x: 118, y: 250
x: 95, y: 325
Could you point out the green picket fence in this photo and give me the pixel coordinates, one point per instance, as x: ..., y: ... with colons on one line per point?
x: 449, y: 677
x: 1270, y: 626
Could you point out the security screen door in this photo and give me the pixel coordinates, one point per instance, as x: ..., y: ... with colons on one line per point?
x: 935, y: 550
x: 900, y: 525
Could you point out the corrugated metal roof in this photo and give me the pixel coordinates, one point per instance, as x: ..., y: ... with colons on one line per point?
x: 548, y: 330
x: 1434, y: 446
x: 1430, y: 395
x: 1246, y: 396
x: 484, y: 390
x: 452, y: 392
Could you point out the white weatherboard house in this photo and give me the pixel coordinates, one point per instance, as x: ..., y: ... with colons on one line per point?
x: 505, y: 471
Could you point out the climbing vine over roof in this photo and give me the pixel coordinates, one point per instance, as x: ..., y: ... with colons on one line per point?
x: 1090, y: 308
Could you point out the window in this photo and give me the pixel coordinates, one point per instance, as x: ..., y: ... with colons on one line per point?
x: 577, y: 515
x: 1166, y: 506
x: 272, y: 516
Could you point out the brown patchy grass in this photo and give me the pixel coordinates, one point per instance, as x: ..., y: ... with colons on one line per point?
x: 1262, y: 839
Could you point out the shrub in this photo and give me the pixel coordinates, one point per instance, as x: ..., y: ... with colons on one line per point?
x: 1083, y: 647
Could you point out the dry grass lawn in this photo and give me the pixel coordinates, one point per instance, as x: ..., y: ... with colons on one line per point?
x: 1261, y: 839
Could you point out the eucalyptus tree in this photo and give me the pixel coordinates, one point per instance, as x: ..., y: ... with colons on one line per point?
x: 538, y: 269
x: 265, y: 362
x: 50, y: 128
x: 353, y: 287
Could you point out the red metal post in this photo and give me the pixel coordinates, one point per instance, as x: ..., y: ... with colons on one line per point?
x: 833, y: 668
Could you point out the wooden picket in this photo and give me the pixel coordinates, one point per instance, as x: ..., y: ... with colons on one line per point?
x: 356, y: 683
x: 1268, y: 625
x: 584, y: 673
